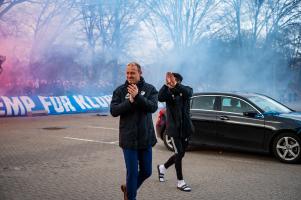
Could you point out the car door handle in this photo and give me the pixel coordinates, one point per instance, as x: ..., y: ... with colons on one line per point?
x: 224, y: 118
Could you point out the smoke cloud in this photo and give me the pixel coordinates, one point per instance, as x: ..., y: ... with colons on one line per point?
x: 59, y: 52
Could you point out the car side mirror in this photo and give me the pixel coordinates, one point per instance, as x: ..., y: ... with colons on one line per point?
x: 252, y: 114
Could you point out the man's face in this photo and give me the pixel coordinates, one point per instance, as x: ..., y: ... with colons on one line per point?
x: 132, y: 74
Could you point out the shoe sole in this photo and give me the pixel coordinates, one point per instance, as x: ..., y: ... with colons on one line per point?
x: 159, y: 174
x: 183, y: 190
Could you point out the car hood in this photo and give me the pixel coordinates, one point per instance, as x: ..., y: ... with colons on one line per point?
x: 292, y: 115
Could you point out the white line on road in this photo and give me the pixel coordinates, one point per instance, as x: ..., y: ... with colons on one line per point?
x: 100, y: 127
x: 87, y: 140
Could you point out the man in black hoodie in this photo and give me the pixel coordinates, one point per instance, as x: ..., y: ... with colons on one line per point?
x: 178, y: 125
x: 134, y: 102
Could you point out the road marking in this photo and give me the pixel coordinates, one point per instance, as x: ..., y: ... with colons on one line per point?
x: 87, y: 140
x: 107, y: 128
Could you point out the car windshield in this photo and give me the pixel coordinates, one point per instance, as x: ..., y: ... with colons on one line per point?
x: 268, y: 105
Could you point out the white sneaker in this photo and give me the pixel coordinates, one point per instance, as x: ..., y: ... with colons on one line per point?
x: 160, y: 174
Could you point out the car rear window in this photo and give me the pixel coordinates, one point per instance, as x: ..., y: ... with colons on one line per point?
x: 203, y: 102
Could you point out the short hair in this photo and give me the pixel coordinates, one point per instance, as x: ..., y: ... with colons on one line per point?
x: 178, y: 77
x: 135, y: 64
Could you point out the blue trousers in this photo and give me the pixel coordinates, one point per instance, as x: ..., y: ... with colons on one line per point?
x: 138, y: 168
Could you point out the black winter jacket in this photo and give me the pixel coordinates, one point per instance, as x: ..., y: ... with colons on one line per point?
x: 136, y: 129
x: 177, y: 99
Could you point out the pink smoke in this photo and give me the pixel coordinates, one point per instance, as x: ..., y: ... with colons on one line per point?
x: 15, y: 67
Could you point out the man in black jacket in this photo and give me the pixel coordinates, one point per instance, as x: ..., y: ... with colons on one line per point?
x: 134, y: 102
x: 178, y: 125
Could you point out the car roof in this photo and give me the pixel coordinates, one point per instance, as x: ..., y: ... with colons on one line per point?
x: 237, y: 94
x: 243, y: 95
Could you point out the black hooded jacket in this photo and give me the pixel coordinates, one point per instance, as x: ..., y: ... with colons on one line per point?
x: 136, y: 129
x: 177, y: 99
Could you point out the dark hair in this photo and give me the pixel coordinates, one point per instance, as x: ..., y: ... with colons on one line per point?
x: 135, y: 64
x: 178, y: 77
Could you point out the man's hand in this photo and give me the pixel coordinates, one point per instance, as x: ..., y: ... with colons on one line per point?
x: 133, y: 90
x: 170, y: 80
x: 131, y: 99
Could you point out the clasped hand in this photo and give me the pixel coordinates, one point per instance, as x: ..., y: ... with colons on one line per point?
x: 170, y: 80
x: 133, y: 91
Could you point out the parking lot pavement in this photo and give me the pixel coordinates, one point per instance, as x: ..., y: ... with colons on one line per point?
x: 77, y: 157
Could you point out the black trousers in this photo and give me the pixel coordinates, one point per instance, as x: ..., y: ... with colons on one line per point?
x: 179, y: 146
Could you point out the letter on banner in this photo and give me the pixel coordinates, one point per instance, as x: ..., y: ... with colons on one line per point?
x: 57, y: 104
x: 13, y: 105
x: 45, y: 103
x: 28, y: 103
x: 92, y: 103
x: 81, y: 102
x: 67, y: 104
x: 2, y: 112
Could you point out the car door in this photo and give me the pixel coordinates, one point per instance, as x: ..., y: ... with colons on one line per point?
x: 237, y: 130
x: 203, y: 115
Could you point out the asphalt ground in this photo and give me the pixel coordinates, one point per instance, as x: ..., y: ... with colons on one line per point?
x: 77, y: 157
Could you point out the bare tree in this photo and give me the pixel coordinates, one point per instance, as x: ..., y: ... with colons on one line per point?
x: 258, y: 19
x: 6, y: 5
x: 50, y: 19
x: 230, y: 19
x: 7, y: 19
x: 255, y: 8
x: 185, y: 21
x: 109, y: 27
x: 280, y: 15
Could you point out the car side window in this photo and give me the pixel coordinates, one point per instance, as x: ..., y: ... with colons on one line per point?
x: 203, y: 102
x: 235, y: 105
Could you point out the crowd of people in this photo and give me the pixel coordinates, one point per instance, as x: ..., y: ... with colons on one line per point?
x: 29, y: 87
x: 54, y: 87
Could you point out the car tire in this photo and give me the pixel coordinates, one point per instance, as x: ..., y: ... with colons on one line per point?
x: 287, y: 148
x: 167, y: 141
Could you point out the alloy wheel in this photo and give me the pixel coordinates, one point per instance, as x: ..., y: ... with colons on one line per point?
x: 288, y: 148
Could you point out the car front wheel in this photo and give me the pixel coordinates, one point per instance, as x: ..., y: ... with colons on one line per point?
x: 286, y: 148
x: 167, y: 141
